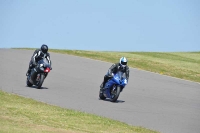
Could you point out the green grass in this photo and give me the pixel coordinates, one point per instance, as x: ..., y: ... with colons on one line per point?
x: 184, y: 65
x: 24, y: 115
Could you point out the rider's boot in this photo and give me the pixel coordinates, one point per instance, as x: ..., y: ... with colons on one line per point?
x: 102, y: 85
x: 28, y: 72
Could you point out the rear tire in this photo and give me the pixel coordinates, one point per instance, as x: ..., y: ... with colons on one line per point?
x: 101, y: 96
x: 28, y: 83
x: 115, y: 93
x: 41, y: 81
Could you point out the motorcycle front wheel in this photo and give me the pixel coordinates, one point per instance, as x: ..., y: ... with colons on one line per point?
x: 40, y: 82
x: 115, y: 91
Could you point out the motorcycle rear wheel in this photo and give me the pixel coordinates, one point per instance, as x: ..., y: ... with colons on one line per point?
x: 28, y: 83
x: 101, y: 96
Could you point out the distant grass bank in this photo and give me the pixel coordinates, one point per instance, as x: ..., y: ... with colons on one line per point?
x: 24, y: 115
x: 184, y: 65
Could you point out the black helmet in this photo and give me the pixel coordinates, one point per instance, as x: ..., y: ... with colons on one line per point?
x: 44, y: 48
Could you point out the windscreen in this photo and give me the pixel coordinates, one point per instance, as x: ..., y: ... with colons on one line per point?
x: 44, y: 61
x: 121, y: 75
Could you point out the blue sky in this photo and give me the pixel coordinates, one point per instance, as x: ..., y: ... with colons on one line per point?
x: 101, y: 25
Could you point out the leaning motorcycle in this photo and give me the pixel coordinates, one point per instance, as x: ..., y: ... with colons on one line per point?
x: 113, y: 87
x: 38, y: 73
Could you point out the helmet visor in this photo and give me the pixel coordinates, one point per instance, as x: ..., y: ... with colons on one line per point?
x: 123, y: 63
x: 44, y: 50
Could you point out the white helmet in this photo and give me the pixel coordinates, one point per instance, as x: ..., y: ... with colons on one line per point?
x: 123, y: 61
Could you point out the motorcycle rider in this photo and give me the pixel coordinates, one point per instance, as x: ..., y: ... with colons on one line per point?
x: 121, y: 66
x: 38, y: 55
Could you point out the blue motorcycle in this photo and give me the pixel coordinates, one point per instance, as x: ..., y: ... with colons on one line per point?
x: 113, y: 87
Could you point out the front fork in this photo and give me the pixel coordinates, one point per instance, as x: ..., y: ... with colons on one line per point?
x: 115, y: 87
x: 39, y: 75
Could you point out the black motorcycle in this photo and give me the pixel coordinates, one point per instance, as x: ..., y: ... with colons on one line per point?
x: 38, y: 73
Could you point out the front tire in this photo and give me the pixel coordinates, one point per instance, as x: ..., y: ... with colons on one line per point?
x: 41, y: 81
x: 115, y: 93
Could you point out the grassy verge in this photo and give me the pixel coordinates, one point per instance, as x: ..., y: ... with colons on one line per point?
x: 184, y: 65
x: 22, y: 115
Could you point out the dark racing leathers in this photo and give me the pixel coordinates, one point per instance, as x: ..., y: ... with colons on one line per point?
x: 37, y: 55
x: 114, y: 69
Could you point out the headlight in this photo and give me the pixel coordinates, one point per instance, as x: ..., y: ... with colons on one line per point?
x: 41, y: 65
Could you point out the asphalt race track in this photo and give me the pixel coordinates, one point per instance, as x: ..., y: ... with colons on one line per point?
x: 154, y: 101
